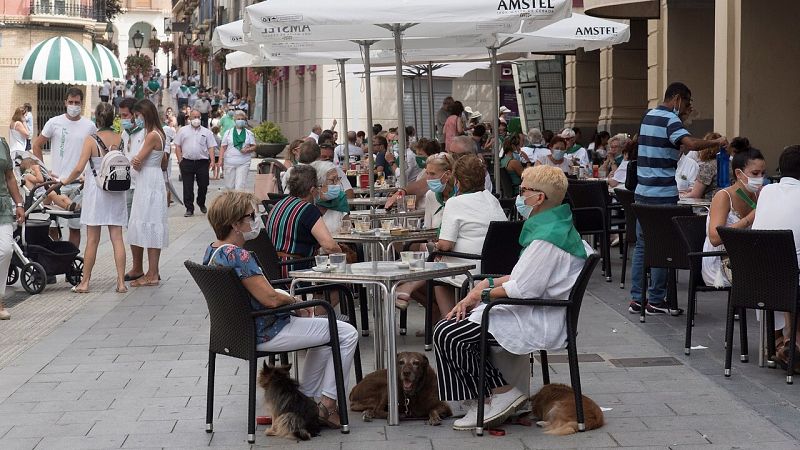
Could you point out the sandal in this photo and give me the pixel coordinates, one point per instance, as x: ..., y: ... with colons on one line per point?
x: 401, y: 303
x: 326, y: 415
x: 77, y: 290
x: 143, y: 282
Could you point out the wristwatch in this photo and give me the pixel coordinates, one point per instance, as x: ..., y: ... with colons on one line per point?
x: 20, y: 205
x: 485, y: 298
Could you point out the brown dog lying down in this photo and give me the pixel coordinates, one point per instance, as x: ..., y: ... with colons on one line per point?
x: 417, y: 388
x: 554, y: 405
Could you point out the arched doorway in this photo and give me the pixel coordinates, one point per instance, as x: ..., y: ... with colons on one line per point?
x: 146, y: 30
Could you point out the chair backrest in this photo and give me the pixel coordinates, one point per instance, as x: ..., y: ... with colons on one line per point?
x: 764, y: 268
x: 266, y: 255
x: 232, y: 327
x: 662, y: 242
x: 692, y: 230
x: 501, y: 247
x: 626, y: 199
x: 579, y: 289
x: 588, y: 194
x: 273, y: 166
x: 506, y: 186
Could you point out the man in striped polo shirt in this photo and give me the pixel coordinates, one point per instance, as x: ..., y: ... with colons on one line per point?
x: 662, y: 141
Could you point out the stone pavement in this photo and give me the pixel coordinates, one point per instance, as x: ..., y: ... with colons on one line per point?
x: 129, y: 371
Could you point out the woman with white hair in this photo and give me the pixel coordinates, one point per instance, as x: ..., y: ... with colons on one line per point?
x: 536, y: 147
x: 614, y: 154
x: 552, y: 258
x: 332, y: 201
x: 236, y: 151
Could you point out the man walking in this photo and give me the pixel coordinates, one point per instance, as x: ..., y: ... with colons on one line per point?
x: 662, y: 140
x: 66, y: 134
x: 203, y: 105
x: 193, y: 145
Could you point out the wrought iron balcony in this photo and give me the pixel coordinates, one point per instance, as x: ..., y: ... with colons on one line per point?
x: 84, y: 9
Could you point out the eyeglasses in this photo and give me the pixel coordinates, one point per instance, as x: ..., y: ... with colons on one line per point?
x: 252, y: 216
x: 525, y: 189
x: 336, y: 180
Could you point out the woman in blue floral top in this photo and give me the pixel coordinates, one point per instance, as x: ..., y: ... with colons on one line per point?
x: 234, y: 220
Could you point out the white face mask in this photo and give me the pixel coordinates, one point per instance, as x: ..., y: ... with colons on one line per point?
x: 255, y: 228
x: 73, y: 110
x: 195, y: 122
x: 753, y: 184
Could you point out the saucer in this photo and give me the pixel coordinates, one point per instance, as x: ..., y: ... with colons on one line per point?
x: 322, y: 269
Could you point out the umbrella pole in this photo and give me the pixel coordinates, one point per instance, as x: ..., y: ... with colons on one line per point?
x: 346, y: 142
x: 414, y: 101
x: 368, y: 88
x: 397, y: 30
x: 496, y: 117
x: 432, y: 122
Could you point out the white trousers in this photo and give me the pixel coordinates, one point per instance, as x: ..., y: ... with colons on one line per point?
x: 236, y: 176
x: 6, y: 251
x: 317, y: 377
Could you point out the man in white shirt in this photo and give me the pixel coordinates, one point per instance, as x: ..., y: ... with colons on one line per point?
x: 315, y: 132
x: 66, y: 134
x: 536, y: 146
x: 355, y: 152
x: 575, y: 151
x: 174, y: 89
x: 193, y: 145
x: 105, y: 91
x: 203, y: 105
x: 779, y: 209
x: 183, y: 95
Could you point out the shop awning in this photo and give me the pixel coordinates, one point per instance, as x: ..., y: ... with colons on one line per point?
x: 59, y: 60
x: 110, y: 68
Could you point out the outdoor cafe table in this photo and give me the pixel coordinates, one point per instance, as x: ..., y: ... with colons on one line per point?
x: 377, y: 214
x: 386, y: 276
x: 384, y: 240
x: 367, y: 202
x: 364, y: 192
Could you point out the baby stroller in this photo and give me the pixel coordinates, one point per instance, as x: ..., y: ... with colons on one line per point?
x: 36, y: 256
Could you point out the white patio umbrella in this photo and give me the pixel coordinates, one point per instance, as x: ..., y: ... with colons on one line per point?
x: 319, y: 20
x: 231, y: 36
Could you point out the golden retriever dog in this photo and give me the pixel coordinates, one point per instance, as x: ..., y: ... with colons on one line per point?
x: 417, y: 386
x: 554, y: 406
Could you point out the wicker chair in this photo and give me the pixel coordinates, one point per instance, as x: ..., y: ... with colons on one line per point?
x: 591, y: 213
x: 662, y: 247
x: 693, y: 231
x: 233, y: 333
x: 573, y: 306
x: 765, y: 276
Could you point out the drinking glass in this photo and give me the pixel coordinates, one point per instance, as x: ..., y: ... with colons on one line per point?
x: 417, y: 261
x: 363, y: 224
x: 406, y: 257
x: 387, y: 224
x: 347, y: 225
x: 411, y: 202
x: 322, y: 260
x: 338, y: 261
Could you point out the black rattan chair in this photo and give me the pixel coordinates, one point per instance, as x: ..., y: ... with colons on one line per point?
x: 662, y: 248
x: 233, y: 333
x: 765, y: 276
x: 626, y: 199
x: 591, y: 214
x: 573, y: 306
x: 693, y: 231
x: 498, y: 257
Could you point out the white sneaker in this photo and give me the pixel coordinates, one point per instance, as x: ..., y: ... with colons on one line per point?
x: 469, y: 421
x: 503, y: 405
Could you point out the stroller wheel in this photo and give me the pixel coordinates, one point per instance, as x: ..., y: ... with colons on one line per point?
x: 75, y: 275
x: 13, y: 275
x: 34, y: 278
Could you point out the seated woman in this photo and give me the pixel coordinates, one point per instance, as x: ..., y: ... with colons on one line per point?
x: 548, y: 267
x: 233, y: 217
x: 614, y: 156
x: 465, y: 221
x: 332, y: 201
x: 619, y: 170
x: 32, y: 175
x: 705, y: 182
x: 512, y: 160
x: 556, y: 157
x: 294, y: 224
x: 735, y: 207
x: 441, y: 185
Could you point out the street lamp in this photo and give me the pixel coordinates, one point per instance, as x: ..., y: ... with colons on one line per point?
x: 138, y: 40
x: 109, y: 32
x: 202, y: 37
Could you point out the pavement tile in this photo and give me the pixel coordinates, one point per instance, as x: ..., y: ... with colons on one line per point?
x: 83, y: 442
x: 640, y: 410
x: 78, y: 405
x: 167, y: 440
x: 537, y: 439
x: 90, y: 417
x: 116, y: 427
x: 473, y: 443
x: 414, y: 444
x: 19, y: 443
x: 665, y: 438
x: 42, y: 430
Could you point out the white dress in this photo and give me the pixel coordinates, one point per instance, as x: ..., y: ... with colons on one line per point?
x: 16, y: 142
x: 99, y: 207
x: 148, y: 227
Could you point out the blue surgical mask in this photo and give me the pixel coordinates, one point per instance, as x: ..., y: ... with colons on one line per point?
x: 126, y: 124
x: 558, y: 155
x: 436, y: 185
x: 240, y: 123
x: 333, y: 192
x: 230, y: 113
x: 139, y: 122
x: 523, y: 209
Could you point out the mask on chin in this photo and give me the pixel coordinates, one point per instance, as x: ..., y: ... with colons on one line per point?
x: 255, y: 229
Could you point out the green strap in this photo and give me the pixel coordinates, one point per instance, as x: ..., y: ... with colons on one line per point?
x: 742, y: 195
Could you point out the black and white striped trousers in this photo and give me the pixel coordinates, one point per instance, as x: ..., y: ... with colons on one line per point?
x: 458, y: 355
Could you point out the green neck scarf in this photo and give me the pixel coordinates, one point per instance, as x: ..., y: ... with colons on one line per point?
x: 153, y: 85
x: 573, y: 149
x: 618, y: 160
x: 239, y: 136
x: 554, y: 226
x: 337, y: 204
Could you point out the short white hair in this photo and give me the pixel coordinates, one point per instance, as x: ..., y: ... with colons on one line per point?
x: 323, y: 168
x: 621, y: 138
x: 535, y: 136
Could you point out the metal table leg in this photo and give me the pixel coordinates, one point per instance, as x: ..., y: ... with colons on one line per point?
x: 391, y: 350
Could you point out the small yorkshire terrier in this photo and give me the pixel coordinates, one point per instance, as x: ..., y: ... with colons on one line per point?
x: 294, y: 415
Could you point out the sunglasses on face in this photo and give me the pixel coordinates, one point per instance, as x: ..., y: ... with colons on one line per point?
x: 252, y: 216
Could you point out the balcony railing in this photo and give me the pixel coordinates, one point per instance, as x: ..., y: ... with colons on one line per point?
x: 86, y: 9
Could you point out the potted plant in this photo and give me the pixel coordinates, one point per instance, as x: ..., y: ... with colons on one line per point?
x: 154, y: 45
x: 269, y: 139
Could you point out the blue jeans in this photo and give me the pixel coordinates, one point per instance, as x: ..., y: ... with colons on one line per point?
x: 657, y: 290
